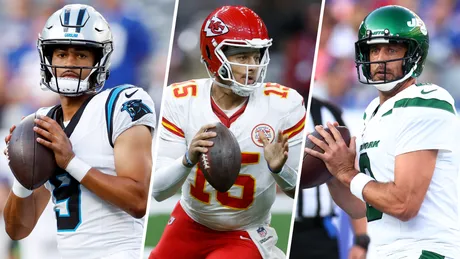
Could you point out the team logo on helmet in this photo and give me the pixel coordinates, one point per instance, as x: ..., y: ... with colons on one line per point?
x: 417, y: 22
x: 215, y: 27
x: 262, y: 129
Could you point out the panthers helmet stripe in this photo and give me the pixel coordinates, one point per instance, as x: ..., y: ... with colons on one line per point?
x: 66, y: 19
x: 81, y: 13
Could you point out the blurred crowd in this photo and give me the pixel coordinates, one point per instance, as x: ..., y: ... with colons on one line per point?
x: 292, y: 24
x: 141, y: 31
x: 336, y: 76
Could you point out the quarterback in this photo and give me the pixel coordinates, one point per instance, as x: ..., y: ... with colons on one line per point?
x: 266, y: 118
x: 101, y: 142
x: 407, y: 183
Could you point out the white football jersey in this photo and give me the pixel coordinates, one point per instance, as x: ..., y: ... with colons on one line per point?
x: 89, y: 227
x: 188, y: 106
x: 421, y: 117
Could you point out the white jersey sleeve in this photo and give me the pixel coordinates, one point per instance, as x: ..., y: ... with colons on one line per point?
x: 426, y: 123
x: 126, y: 107
x: 173, y: 119
x: 295, y: 120
x: 170, y: 173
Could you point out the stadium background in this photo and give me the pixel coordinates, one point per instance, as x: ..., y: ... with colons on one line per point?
x: 293, y: 26
x: 336, y: 77
x: 141, y: 30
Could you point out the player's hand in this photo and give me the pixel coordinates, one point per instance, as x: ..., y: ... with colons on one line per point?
x: 275, y: 153
x: 357, y: 252
x: 338, y: 157
x: 200, y: 143
x: 54, y: 138
x: 8, y: 138
x: 7, y: 141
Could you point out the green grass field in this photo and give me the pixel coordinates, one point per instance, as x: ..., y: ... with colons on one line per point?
x: 281, y: 222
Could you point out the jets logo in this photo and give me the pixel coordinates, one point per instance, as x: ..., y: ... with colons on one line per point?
x: 417, y: 22
x: 215, y: 27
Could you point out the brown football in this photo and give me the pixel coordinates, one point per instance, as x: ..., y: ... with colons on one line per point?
x: 314, y: 170
x: 222, y: 163
x: 31, y: 163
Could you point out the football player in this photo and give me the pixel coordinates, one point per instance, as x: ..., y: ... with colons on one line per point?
x: 407, y: 185
x: 266, y: 118
x: 101, y: 142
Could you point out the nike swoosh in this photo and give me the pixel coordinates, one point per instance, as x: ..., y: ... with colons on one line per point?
x: 423, y: 91
x: 131, y: 94
x: 245, y: 238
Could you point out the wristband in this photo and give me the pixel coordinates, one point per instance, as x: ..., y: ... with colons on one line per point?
x: 19, y: 190
x: 362, y: 241
x: 286, y: 178
x: 77, y: 168
x: 187, y: 160
x: 357, y: 185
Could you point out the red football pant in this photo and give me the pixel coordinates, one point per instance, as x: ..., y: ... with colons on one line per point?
x: 185, y: 238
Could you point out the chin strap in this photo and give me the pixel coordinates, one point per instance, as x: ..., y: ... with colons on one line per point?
x: 388, y: 87
x: 69, y: 86
x: 233, y: 86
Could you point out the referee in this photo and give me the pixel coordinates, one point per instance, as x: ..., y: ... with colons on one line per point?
x: 314, y: 234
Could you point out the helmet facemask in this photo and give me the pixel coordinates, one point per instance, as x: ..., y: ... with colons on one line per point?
x: 225, y: 72
x: 93, y: 83
x: 410, y: 61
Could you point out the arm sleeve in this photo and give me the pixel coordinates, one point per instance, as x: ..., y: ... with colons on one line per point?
x: 170, y: 173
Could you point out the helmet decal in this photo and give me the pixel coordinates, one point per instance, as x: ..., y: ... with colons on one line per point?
x: 215, y: 27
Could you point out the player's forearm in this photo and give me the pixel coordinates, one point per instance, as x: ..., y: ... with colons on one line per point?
x: 287, y: 178
x: 359, y: 226
x: 19, y: 218
x: 126, y: 193
x: 345, y: 200
x: 21, y: 214
x: 169, y: 179
x: 389, y: 199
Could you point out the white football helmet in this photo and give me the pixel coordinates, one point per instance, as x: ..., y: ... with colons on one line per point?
x: 82, y: 26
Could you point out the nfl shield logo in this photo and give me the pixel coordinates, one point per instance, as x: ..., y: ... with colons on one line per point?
x: 261, y: 231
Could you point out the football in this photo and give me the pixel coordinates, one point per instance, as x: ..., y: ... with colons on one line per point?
x: 31, y: 163
x: 222, y: 163
x: 314, y: 171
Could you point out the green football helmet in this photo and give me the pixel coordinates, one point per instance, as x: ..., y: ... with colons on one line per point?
x: 392, y: 24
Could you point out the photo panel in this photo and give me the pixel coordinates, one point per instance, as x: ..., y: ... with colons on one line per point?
x: 384, y: 70
x: 105, y: 59
x: 206, y: 85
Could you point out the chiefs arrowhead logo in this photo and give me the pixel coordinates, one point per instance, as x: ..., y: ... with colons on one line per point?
x: 215, y: 27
